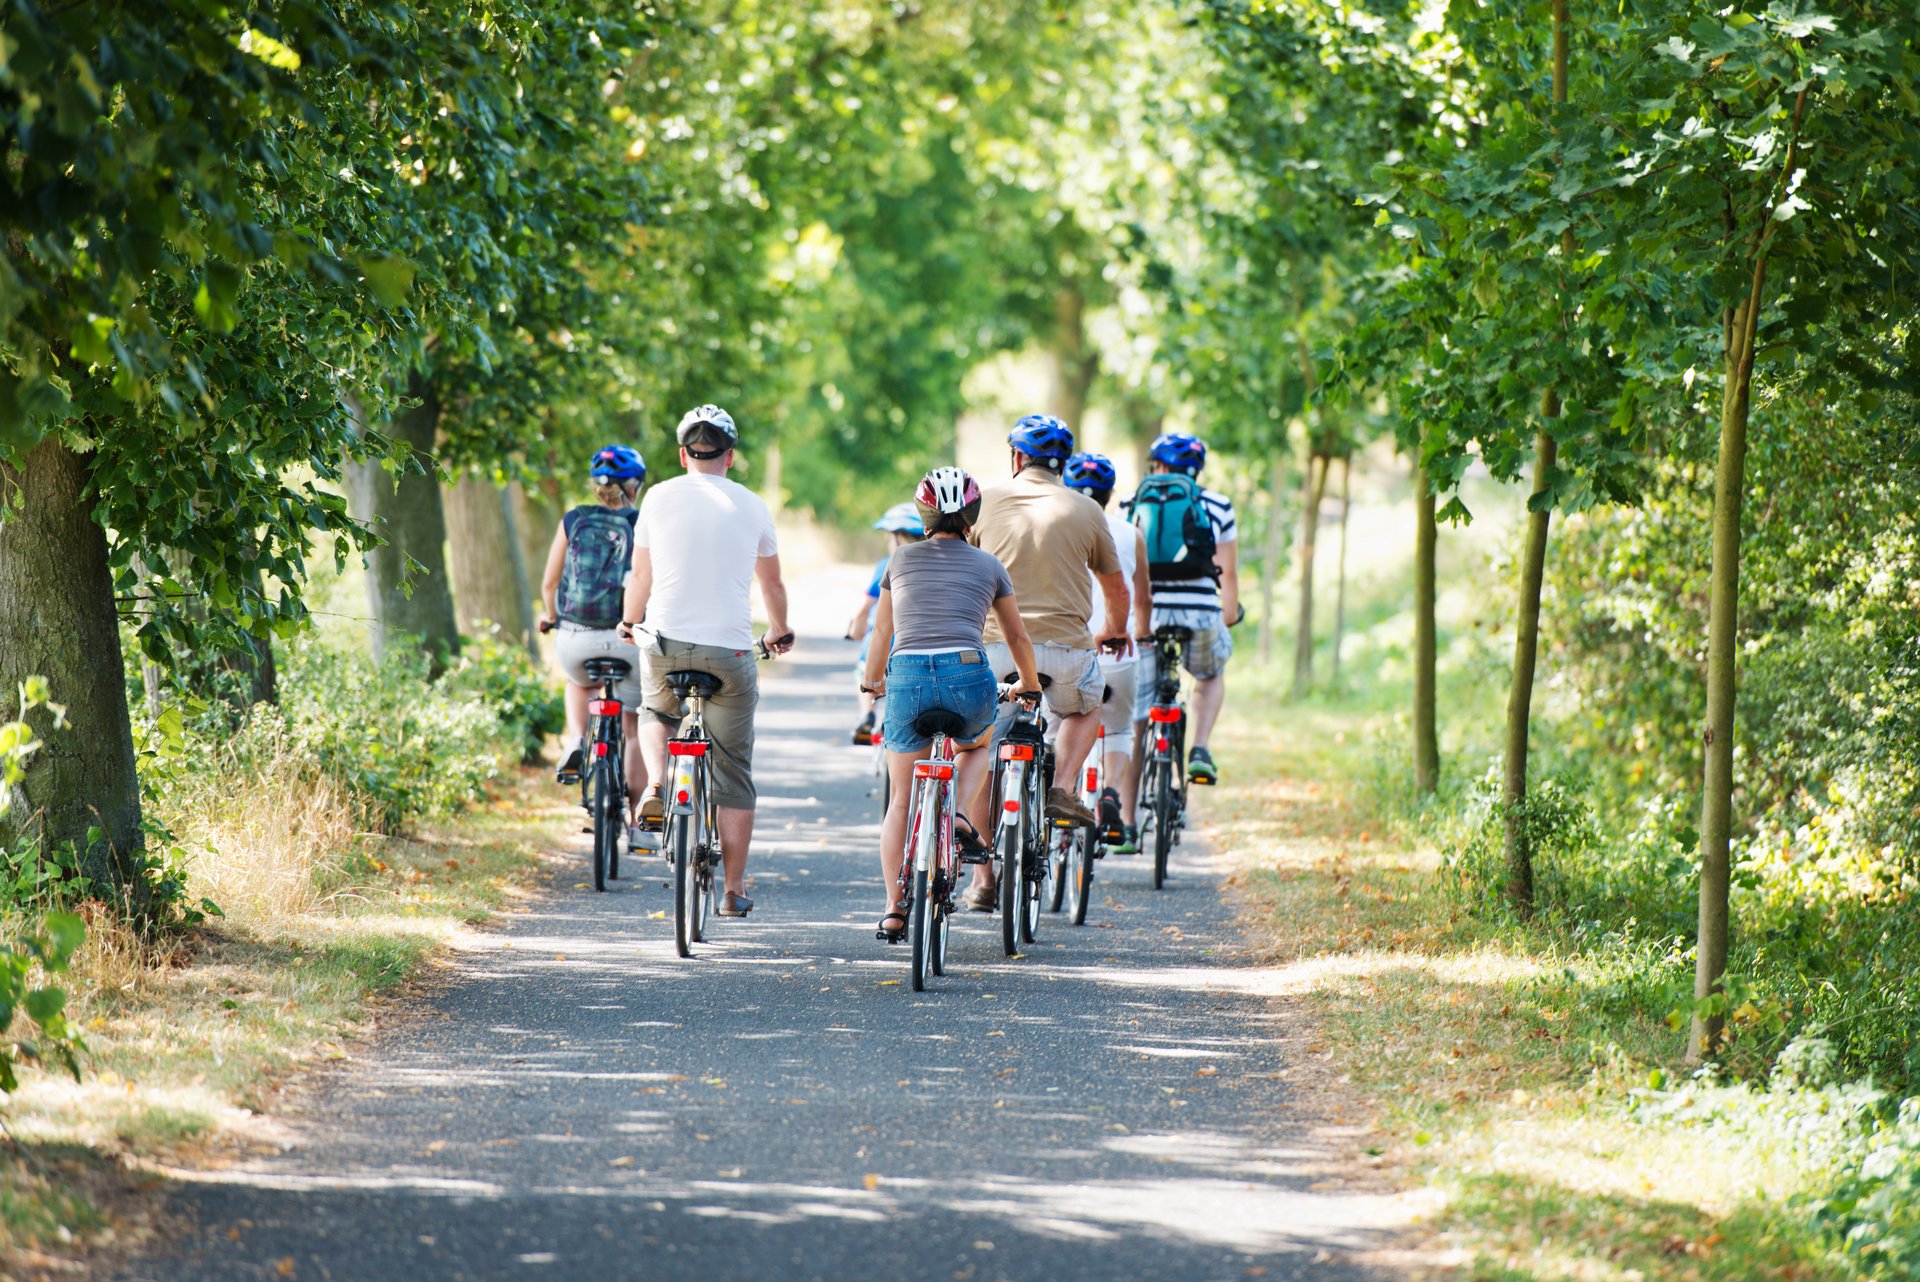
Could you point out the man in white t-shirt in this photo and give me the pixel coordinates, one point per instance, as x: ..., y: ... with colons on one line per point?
x: 700, y: 542
x: 1093, y: 475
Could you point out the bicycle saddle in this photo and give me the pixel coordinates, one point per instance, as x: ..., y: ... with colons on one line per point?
x: 1013, y: 678
x: 938, y: 721
x: 1173, y: 632
x: 608, y: 669
x: 703, y: 684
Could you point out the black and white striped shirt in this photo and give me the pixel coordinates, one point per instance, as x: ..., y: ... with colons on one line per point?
x: 1201, y: 594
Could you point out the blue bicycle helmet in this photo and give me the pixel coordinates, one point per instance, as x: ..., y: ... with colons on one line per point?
x: 902, y: 518
x: 1179, y: 451
x: 1089, y: 471
x: 1042, y: 436
x: 618, y: 463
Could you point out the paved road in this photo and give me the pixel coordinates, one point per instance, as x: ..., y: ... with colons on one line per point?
x: 582, y: 1104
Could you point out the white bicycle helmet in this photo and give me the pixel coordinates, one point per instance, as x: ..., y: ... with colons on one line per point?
x: 945, y: 491
x: 711, y: 416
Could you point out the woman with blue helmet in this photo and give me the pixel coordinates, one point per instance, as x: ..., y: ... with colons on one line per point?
x: 902, y: 525
x: 582, y: 590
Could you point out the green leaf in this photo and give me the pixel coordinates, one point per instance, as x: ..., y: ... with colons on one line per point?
x: 65, y: 933
x: 43, y: 1004
x: 390, y: 277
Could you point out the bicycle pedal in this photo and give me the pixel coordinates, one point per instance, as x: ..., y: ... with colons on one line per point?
x: 976, y: 859
x: 571, y: 779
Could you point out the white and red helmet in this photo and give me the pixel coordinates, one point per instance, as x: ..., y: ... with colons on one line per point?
x: 946, y: 491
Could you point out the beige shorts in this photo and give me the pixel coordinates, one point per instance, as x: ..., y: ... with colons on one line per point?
x: 1116, y: 714
x: 1076, y: 686
x: 573, y: 645
x: 729, y: 714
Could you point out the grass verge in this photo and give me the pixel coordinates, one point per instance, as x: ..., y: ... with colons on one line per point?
x: 1504, y: 1068
x: 187, y: 1043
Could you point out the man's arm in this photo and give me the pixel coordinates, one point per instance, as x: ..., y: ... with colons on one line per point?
x: 1227, y: 557
x: 1142, y: 588
x: 639, y: 588
x: 1114, y: 626
x: 773, y: 591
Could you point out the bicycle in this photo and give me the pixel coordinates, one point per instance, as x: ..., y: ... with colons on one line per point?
x: 603, y: 784
x: 1020, y: 797
x: 692, y: 839
x: 884, y: 786
x: 1163, y: 777
x: 930, y: 872
x: 1076, y: 846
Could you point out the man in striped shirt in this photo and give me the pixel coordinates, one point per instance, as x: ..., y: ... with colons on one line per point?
x: 1207, y: 605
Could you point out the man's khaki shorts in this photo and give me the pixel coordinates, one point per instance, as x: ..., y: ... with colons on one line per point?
x: 1076, y: 685
x: 729, y: 714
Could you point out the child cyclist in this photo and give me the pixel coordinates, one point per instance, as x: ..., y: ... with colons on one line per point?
x: 582, y: 590
x: 926, y: 653
x: 902, y: 526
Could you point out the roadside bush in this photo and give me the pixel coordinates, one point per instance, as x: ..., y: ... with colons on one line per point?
x: 493, y: 668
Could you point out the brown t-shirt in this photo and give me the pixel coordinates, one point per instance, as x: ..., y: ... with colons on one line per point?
x: 1048, y: 537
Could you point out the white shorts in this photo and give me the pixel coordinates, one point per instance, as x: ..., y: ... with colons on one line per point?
x: 1116, y: 714
x: 573, y: 645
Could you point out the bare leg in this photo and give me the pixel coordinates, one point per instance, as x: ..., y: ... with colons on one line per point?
x: 1208, y: 696
x: 893, y: 830
x: 1118, y: 766
x: 974, y: 773
x: 636, y: 764
x: 736, y: 834
x: 1077, y: 734
x: 653, y: 748
x: 1130, y: 785
x: 576, y: 700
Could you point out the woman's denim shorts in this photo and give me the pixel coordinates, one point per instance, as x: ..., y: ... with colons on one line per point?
x: 960, y: 682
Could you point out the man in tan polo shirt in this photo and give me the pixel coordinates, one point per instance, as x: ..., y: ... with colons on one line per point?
x: 1049, y: 537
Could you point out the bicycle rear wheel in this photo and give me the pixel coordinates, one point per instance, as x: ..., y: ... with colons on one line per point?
x: 1013, y: 877
x: 922, y: 929
x: 605, y: 822
x: 1060, y: 855
x: 1080, y: 873
x: 685, y: 880
x: 1163, y: 804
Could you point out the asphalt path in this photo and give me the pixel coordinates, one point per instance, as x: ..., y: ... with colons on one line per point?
x: 579, y: 1103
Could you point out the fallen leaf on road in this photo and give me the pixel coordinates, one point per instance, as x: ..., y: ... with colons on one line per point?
x: 621, y: 1161
x: 436, y: 1146
x: 873, y: 1182
x: 889, y: 983
x: 284, y: 1266
x: 659, y: 916
x: 1208, y: 1071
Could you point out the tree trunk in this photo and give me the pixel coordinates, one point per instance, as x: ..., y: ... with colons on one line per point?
x: 1275, y: 549
x: 1340, y: 575
x: 1426, y: 736
x: 1526, y: 651
x: 535, y: 518
x: 408, y: 600
x: 1723, y: 618
x: 58, y: 620
x: 1313, y: 489
x: 489, y: 565
x: 1074, y: 364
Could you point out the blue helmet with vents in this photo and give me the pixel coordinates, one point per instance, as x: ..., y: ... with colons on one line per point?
x: 1042, y: 436
x: 618, y: 463
x: 1089, y: 471
x: 1179, y: 451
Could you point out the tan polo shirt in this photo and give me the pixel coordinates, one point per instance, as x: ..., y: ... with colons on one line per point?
x: 1048, y: 537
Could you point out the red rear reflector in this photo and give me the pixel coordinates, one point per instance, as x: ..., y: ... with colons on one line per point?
x: 1093, y: 779
x: 933, y: 770
x: 681, y: 797
x: 1165, y: 716
x: 1011, y: 807
x: 1160, y: 745
x: 603, y: 707
x: 1016, y: 752
x: 683, y: 748
x: 599, y: 750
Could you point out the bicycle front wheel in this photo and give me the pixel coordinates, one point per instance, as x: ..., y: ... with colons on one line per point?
x: 606, y: 822
x: 1080, y: 873
x: 1060, y: 854
x: 686, y: 885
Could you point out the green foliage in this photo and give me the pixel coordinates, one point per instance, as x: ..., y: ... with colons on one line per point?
x: 34, y: 945
x: 495, y: 671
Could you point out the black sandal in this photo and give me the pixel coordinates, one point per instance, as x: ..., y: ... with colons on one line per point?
x: 972, y: 849
x: 886, y: 936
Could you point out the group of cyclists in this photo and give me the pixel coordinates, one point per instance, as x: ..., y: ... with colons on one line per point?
x: 1034, y: 590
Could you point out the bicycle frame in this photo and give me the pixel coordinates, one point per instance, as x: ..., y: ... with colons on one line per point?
x: 690, y: 809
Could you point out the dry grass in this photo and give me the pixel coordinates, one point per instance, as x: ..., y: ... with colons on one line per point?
x: 1491, y: 1080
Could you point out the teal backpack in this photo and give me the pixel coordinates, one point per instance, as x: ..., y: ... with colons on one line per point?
x: 593, y: 583
x: 1167, y: 511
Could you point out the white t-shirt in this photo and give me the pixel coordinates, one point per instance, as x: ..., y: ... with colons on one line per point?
x: 1126, y: 541
x: 706, y: 535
